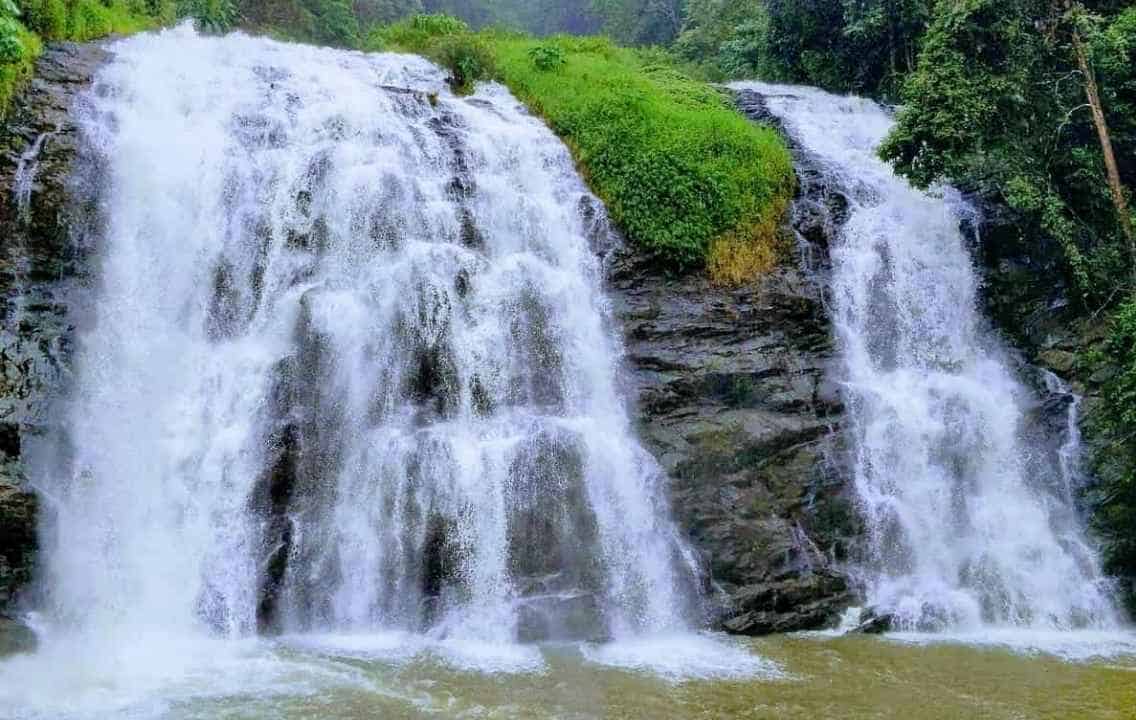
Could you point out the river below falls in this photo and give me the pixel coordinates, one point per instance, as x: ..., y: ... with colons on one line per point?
x: 795, y: 676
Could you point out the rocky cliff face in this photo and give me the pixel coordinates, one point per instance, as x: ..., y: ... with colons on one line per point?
x: 737, y: 396
x: 736, y: 400
x: 38, y: 262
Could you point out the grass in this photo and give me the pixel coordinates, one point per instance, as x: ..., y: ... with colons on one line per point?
x: 682, y: 173
x: 14, y: 74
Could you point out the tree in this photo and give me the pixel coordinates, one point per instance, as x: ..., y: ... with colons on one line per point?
x: 997, y: 104
x: 1077, y: 17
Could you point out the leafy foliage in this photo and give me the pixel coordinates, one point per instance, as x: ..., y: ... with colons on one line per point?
x: 1114, y: 500
x: 547, y: 57
x: 682, y: 173
x: 997, y: 104
x: 11, y: 41
x: 860, y: 45
x: 468, y: 58
x: 217, y: 16
x: 641, y: 22
x: 381, y: 12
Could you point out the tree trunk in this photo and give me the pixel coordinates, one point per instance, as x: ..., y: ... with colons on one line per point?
x: 1111, y: 169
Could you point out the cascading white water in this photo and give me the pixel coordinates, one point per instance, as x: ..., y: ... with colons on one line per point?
x: 350, y: 367
x: 971, y: 523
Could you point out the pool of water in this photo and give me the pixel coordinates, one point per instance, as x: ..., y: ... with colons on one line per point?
x: 399, y: 676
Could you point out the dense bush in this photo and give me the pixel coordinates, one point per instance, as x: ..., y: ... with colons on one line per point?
x: 380, y: 12
x: 682, y: 173
x: 547, y: 57
x: 866, y: 46
x: 333, y: 22
x: 997, y: 104
x: 48, y: 18
x: 467, y: 57
x: 211, y: 15
x: 1114, y: 499
x: 11, y: 40
x: 417, y: 32
x: 444, y: 39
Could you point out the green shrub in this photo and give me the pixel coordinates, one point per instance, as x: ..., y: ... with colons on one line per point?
x: 681, y: 172
x: 81, y: 20
x: 89, y: 20
x: 333, y: 22
x: 438, y: 24
x: 1114, y: 499
x: 46, y: 17
x: 467, y: 58
x: 11, y: 44
x: 414, y: 34
x: 17, y: 70
x: 216, y: 16
x: 444, y: 39
x: 547, y: 57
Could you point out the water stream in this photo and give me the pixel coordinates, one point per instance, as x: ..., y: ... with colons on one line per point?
x: 971, y: 518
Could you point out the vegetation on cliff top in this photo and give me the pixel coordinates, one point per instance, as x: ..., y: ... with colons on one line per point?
x: 25, y: 24
x: 682, y: 173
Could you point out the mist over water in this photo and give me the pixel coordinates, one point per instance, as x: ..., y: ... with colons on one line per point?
x: 971, y: 518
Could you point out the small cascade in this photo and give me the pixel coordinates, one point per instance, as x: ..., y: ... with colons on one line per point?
x: 24, y: 180
x: 970, y: 513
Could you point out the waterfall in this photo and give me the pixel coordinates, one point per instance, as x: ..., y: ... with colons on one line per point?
x: 970, y: 520
x: 349, y: 366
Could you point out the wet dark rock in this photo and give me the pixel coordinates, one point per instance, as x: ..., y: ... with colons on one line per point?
x: 471, y: 236
x: 737, y: 399
x: 441, y: 559
x: 43, y: 255
x: 273, y: 493
x: 552, y: 530
x: 573, y: 616
x: 15, y: 637
x: 806, y: 602
x: 873, y: 622
x: 18, y: 538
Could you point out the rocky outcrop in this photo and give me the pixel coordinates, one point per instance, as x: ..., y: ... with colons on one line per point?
x: 38, y: 262
x: 738, y: 400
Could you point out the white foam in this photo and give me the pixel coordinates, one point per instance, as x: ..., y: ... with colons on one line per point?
x: 1074, y: 646
x: 144, y: 677
x: 685, y: 657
